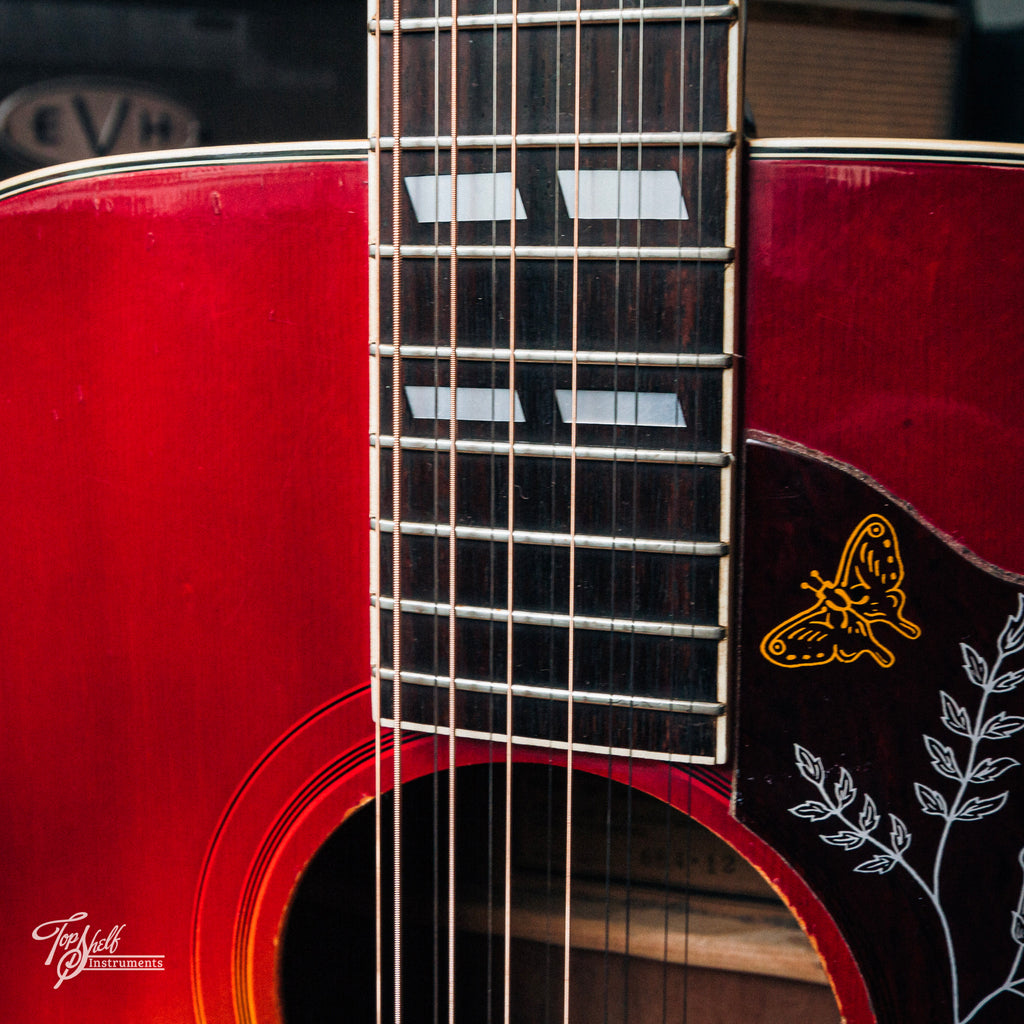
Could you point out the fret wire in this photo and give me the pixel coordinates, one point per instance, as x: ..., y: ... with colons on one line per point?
x: 580, y: 748
x: 683, y: 360
x: 720, y: 12
x: 707, y: 254
x: 561, y: 451
x: 553, y: 139
x: 617, y: 700
x: 594, y: 542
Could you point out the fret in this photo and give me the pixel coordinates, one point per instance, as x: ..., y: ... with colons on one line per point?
x: 680, y: 502
x: 638, y: 585
x: 551, y: 140
x: 707, y: 549
x: 619, y: 254
x: 682, y: 89
x: 540, y: 721
x: 628, y: 735
x: 609, y: 661
x: 591, y: 16
x: 621, y: 700
x: 610, y: 399
x: 544, y: 203
x: 680, y: 457
x: 632, y: 627
x: 680, y: 361
x: 661, y: 308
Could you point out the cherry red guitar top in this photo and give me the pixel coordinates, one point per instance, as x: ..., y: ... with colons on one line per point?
x: 184, y: 626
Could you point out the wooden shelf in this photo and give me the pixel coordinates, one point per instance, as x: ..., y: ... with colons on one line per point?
x: 720, y: 933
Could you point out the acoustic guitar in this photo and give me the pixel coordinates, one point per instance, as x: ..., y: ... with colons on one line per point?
x: 673, y: 621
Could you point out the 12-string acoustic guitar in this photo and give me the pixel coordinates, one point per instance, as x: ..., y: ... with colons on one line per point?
x: 671, y: 620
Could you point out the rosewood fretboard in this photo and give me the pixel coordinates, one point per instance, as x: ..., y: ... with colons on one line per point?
x: 589, y: 230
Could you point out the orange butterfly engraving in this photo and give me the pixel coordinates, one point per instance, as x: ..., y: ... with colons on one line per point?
x: 840, y: 625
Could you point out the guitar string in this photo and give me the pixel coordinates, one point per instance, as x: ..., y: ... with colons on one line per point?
x: 511, y: 516
x: 493, y: 557
x: 397, y: 456
x: 493, y: 428
x: 695, y: 272
x: 437, y: 560
x: 378, y: 973
x: 571, y: 666
x: 616, y: 483
x: 453, y: 473
x: 634, y: 504
x: 555, y: 317
x: 558, y: 282
x: 396, y: 497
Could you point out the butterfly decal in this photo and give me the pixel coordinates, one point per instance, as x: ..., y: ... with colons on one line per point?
x: 840, y: 625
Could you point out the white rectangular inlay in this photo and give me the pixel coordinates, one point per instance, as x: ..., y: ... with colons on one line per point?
x: 480, y: 197
x: 489, y: 405
x: 625, y: 195
x: 622, y: 408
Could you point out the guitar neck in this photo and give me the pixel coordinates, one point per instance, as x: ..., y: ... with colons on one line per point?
x: 552, y: 258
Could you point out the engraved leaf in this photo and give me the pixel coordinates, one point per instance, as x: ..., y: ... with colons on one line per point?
x: 845, y: 790
x: 847, y: 840
x: 868, y: 820
x: 974, y: 665
x: 811, y: 767
x: 999, y: 726
x: 877, y: 865
x: 992, y: 767
x: 943, y: 759
x: 1008, y: 681
x: 930, y: 801
x: 1017, y: 928
x: 900, y: 835
x: 978, y: 807
x: 812, y: 810
x: 1011, y: 639
x: 954, y: 717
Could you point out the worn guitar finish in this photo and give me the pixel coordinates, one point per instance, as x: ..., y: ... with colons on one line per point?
x: 183, y: 622
x: 183, y: 551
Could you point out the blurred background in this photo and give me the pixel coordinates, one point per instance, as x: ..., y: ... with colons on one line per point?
x: 81, y: 78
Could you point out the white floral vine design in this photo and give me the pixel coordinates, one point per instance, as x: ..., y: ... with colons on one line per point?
x: 958, y: 804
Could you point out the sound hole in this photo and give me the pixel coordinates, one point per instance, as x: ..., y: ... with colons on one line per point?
x: 669, y: 922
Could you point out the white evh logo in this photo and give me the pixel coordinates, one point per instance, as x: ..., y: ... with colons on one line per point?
x: 75, y: 119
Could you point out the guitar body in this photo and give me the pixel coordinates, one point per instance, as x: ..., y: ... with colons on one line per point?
x: 184, y: 623
x: 184, y: 549
x: 882, y: 404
